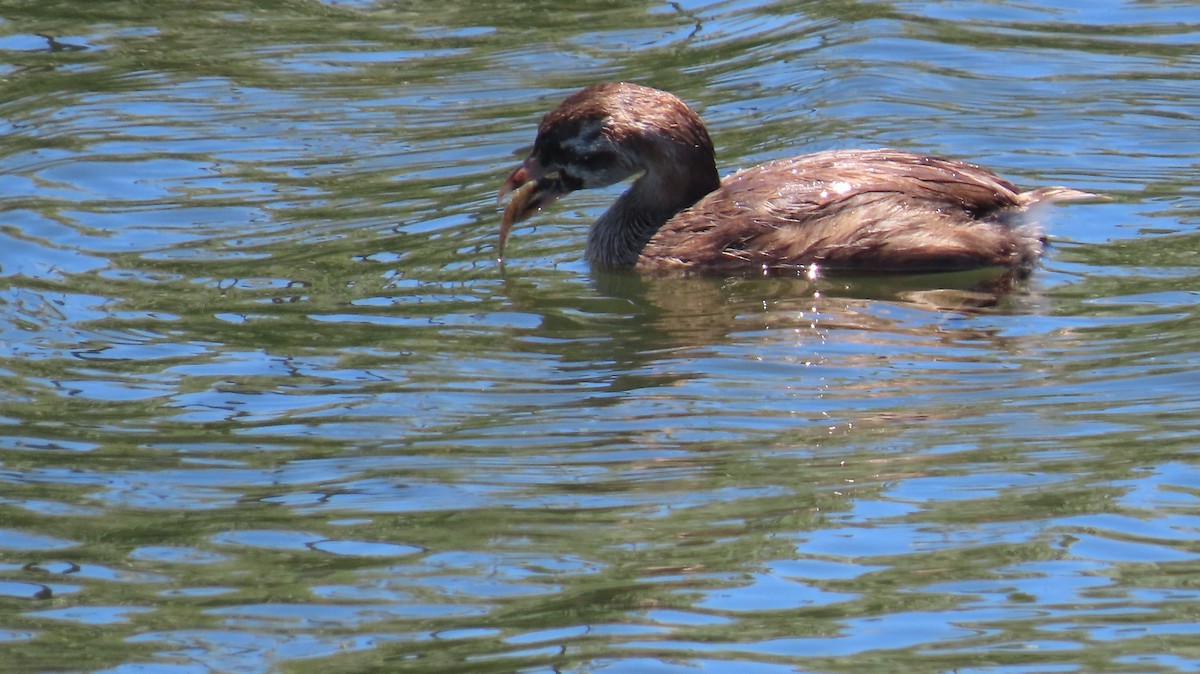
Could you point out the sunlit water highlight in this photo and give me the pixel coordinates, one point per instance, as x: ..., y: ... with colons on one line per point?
x: 269, y: 404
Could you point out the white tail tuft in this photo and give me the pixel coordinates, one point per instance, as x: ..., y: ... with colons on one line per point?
x: 1053, y: 194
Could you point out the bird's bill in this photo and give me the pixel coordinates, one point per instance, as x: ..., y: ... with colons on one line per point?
x: 532, y: 189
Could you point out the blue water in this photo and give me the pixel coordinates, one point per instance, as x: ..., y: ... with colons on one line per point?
x: 269, y: 403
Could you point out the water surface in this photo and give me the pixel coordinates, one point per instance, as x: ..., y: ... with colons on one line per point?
x: 269, y: 404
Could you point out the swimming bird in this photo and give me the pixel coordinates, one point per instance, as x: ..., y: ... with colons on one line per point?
x: 869, y: 210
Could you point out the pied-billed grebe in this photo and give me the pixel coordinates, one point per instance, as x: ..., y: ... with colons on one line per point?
x: 873, y: 210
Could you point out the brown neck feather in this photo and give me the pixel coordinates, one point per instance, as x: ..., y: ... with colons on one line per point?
x: 674, y: 182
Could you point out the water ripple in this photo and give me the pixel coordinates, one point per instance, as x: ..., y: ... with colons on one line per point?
x: 269, y: 403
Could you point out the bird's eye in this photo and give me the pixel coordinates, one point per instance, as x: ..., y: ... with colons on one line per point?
x: 590, y: 136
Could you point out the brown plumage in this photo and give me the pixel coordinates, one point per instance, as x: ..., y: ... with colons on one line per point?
x: 872, y: 210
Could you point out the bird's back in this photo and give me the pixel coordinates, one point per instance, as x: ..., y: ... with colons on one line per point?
x: 883, y: 210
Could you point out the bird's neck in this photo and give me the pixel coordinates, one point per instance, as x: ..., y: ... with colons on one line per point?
x: 617, y: 238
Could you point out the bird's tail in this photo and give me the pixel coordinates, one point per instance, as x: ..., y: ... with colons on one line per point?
x: 1055, y: 194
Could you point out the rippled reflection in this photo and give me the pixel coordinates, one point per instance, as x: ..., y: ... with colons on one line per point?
x: 269, y: 404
